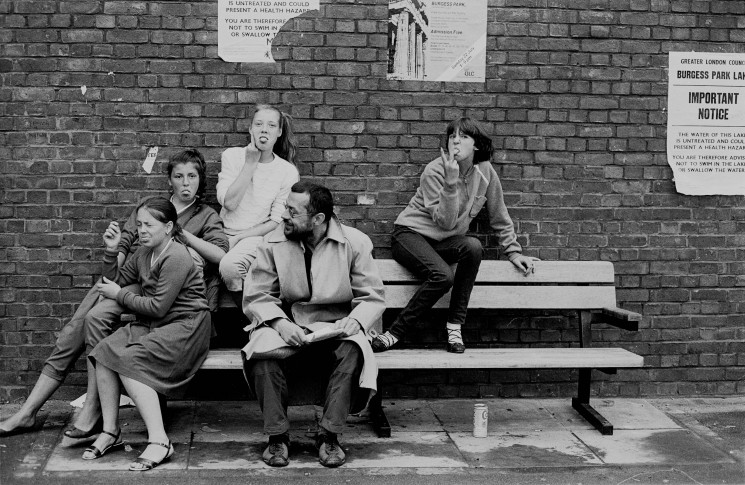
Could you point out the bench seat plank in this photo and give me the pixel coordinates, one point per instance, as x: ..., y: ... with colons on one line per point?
x: 522, y: 358
x: 504, y: 272
x: 518, y: 297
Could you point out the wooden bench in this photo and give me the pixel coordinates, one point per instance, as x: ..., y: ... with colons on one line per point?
x: 585, y: 287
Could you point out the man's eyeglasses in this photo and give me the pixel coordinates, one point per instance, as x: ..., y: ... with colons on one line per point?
x: 293, y: 213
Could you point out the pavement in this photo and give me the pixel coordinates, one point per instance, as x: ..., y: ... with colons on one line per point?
x: 541, y: 441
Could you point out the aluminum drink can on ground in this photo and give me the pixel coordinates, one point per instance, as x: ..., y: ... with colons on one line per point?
x: 480, y: 420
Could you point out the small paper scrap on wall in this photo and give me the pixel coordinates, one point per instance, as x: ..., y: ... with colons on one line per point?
x: 152, y: 155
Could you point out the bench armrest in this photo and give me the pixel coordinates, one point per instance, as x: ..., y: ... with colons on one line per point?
x: 618, y: 317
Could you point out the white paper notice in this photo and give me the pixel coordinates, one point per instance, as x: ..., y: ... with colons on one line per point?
x: 437, y: 40
x: 706, y: 123
x: 152, y: 154
x: 246, y: 28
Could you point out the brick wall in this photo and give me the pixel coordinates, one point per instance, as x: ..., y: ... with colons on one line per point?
x: 575, y: 96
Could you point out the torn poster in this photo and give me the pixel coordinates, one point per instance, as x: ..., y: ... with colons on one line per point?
x: 437, y: 40
x: 706, y: 122
x: 246, y: 28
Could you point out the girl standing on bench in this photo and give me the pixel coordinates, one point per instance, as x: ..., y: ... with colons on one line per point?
x: 186, y: 171
x: 430, y: 234
x: 252, y: 188
x: 161, y: 351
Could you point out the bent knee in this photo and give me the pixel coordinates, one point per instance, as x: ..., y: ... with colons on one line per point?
x: 441, y: 277
x: 473, y: 248
x: 231, y: 272
x: 228, y: 265
x: 104, y: 315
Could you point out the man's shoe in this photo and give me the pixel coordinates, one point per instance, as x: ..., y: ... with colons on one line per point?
x: 456, y: 347
x: 277, y: 452
x: 330, y: 453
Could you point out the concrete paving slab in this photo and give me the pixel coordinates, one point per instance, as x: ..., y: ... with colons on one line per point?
x: 532, y: 449
x: 622, y: 413
x: 729, y: 429
x: 636, y: 447
x: 28, y: 452
x: 229, y: 455
x: 680, y: 405
x: 178, y: 423
x: 542, y: 447
x: 403, y: 415
x: 456, y: 415
x: 69, y: 459
x: 218, y: 421
x: 404, y: 449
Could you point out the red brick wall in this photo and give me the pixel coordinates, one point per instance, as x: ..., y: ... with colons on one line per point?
x: 575, y: 96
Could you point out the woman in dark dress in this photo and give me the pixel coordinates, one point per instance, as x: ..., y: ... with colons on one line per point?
x: 163, y: 349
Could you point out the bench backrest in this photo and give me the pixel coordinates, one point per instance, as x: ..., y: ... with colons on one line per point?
x: 555, y: 285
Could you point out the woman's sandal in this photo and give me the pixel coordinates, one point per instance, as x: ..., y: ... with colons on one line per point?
x: 78, y: 434
x: 144, y: 464
x: 94, y: 453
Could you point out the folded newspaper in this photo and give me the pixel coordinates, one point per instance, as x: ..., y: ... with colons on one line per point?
x: 323, y: 333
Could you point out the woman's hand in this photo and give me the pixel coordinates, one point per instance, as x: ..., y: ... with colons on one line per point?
x: 451, y: 168
x: 108, y: 288
x: 525, y: 264
x: 252, y: 154
x: 112, y: 236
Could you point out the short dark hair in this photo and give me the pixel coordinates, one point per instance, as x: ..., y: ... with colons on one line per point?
x: 191, y: 155
x: 321, y: 201
x: 475, y: 130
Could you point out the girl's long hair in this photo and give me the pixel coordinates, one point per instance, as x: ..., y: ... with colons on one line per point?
x: 191, y: 155
x: 286, y: 145
x: 163, y: 210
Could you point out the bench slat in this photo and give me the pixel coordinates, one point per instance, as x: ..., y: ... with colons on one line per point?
x: 518, y: 297
x: 504, y: 272
x: 522, y: 358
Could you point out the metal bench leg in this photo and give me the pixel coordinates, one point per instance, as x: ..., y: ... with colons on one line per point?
x: 582, y: 402
x: 377, y: 415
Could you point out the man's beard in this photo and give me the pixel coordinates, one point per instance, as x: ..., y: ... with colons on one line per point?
x: 297, y: 234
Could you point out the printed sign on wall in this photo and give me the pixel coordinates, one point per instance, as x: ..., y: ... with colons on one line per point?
x: 706, y: 122
x: 246, y: 28
x: 437, y: 40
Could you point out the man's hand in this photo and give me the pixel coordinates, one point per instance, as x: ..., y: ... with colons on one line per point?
x: 108, y: 288
x: 290, y: 333
x: 525, y: 264
x: 451, y: 168
x: 348, y: 326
